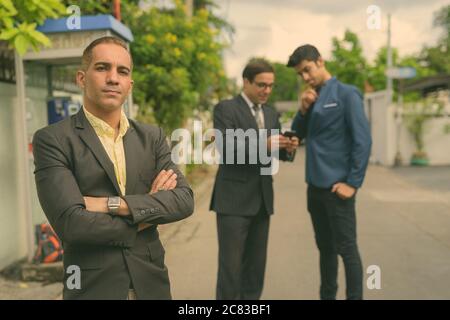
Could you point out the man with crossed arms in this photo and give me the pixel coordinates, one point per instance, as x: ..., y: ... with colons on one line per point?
x: 105, y: 182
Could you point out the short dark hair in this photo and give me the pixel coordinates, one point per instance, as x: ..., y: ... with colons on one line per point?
x: 305, y: 52
x: 87, y: 53
x: 255, y: 67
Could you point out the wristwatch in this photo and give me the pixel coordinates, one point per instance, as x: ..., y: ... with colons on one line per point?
x: 113, y: 204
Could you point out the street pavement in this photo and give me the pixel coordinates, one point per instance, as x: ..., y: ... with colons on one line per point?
x: 403, y: 218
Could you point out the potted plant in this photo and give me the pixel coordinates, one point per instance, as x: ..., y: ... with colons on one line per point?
x: 415, y: 115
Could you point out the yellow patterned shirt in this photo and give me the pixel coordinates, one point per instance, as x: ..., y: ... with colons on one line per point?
x: 114, y: 148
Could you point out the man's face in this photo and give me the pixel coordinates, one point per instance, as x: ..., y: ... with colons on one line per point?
x: 107, y: 80
x: 259, y: 90
x: 312, y: 72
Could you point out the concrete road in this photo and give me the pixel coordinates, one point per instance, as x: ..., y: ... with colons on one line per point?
x: 403, y: 228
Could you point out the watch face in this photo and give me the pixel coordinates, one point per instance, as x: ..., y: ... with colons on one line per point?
x: 114, y: 201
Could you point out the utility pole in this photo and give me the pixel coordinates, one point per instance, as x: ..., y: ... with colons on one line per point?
x: 23, y: 158
x: 389, y: 61
x: 389, y: 87
x: 189, y: 8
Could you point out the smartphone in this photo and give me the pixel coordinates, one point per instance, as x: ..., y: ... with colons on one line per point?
x: 289, y: 134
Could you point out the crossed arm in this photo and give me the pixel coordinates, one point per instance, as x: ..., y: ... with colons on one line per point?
x: 78, y: 222
x: 166, y: 180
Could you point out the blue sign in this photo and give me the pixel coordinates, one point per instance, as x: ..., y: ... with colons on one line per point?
x: 401, y: 73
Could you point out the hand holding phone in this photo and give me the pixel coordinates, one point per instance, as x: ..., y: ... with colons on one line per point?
x: 289, y: 134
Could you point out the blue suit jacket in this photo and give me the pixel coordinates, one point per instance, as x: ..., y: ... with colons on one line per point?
x: 337, y: 136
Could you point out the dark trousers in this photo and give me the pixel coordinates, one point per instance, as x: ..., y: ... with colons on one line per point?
x: 242, y: 255
x: 334, y: 223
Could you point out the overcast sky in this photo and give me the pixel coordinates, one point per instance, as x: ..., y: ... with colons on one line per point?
x: 274, y: 28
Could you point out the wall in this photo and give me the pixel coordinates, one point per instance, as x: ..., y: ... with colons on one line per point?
x: 13, y: 228
x: 12, y: 237
x: 390, y: 135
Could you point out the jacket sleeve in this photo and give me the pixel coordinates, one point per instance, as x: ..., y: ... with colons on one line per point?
x: 299, y: 125
x: 63, y: 203
x: 360, y: 137
x: 164, y: 206
x: 283, y: 155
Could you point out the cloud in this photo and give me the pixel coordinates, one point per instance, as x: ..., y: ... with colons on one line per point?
x: 336, y: 6
x: 273, y: 29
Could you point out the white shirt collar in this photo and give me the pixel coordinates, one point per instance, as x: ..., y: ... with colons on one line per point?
x: 249, y: 102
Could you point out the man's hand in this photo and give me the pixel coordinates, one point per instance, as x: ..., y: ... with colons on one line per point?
x: 166, y: 180
x: 307, y: 98
x: 143, y: 226
x: 96, y: 204
x: 277, y: 142
x: 343, y: 190
x: 293, y: 144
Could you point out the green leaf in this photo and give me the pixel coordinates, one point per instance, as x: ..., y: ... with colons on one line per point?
x: 21, y: 44
x: 8, y: 34
x: 9, y: 24
x: 45, y: 8
x: 23, y: 27
x: 39, y: 37
x: 9, y: 6
x: 30, y: 27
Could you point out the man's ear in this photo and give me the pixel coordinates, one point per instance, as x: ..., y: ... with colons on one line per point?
x: 320, y: 62
x: 81, y: 77
x: 130, y: 89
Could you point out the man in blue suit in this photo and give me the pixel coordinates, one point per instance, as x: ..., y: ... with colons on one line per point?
x: 332, y: 120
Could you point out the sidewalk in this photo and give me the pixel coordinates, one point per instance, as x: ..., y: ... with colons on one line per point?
x: 403, y: 227
x: 12, y: 288
x: 19, y: 290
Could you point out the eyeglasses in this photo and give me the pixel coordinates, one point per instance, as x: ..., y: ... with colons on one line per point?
x: 263, y: 85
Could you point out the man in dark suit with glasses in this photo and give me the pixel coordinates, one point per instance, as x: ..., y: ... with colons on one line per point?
x: 243, y: 193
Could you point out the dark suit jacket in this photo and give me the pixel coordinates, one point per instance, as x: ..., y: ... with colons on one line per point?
x: 239, y: 189
x: 71, y: 163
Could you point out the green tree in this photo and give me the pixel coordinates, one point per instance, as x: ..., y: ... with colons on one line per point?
x: 347, y: 62
x: 217, y: 21
x: 178, y: 63
x: 93, y: 7
x: 19, y: 19
x: 89, y: 7
x: 376, y: 72
x: 437, y: 57
x: 286, y: 84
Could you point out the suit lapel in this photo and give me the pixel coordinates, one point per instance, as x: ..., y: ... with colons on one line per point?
x: 130, y: 145
x: 90, y: 138
x: 268, y: 120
